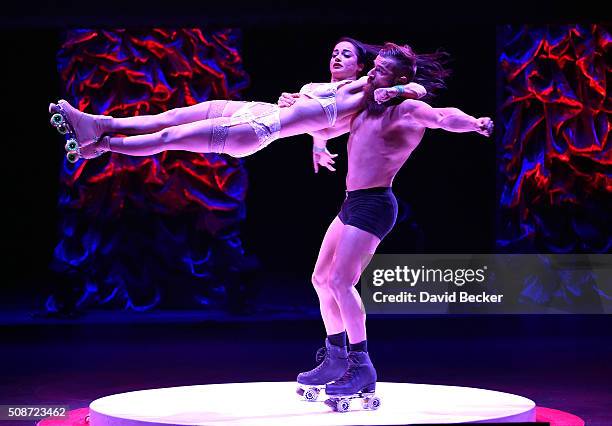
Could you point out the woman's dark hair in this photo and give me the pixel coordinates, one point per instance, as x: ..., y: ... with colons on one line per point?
x: 366, y: 53
x: 428, y: 69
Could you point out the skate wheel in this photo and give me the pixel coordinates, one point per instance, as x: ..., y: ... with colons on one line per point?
x: 373, y: 403
x: 62, y: 129
x: 343, y: 405
x: 311, y: 394
x: 57, y: 119
x: 71, y: 145
x: 72, y: 156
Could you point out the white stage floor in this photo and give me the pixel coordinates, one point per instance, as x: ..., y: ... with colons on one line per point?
x: 276, y: 403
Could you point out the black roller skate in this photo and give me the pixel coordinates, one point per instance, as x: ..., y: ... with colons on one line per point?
x: 333, y: 363
x: 358, y: 382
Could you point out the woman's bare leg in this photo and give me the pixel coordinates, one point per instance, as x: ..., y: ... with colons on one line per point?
x: 213, y: 135
x: 89, y: 128
x: 239, y: 135
x: 142, y: 124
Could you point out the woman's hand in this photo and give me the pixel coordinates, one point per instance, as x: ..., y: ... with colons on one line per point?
x: 287, y: 99
x: 322, y: 157
x: 408, y: 91
x: 385, y: 94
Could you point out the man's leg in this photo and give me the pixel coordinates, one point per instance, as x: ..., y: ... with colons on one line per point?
x: 334, y: 362
x: 330, y: 311
x: 353, y: 252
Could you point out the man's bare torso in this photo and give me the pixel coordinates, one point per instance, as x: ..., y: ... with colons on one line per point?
x: 378, y: 147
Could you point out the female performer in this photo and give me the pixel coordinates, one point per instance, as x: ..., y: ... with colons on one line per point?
x: 236, y: 128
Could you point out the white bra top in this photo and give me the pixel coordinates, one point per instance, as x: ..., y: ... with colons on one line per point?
x: 325, y: 94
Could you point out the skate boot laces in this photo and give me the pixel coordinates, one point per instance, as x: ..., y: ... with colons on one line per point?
x: 320, y: 358
x: 320, y: 355
x: 351, y: 370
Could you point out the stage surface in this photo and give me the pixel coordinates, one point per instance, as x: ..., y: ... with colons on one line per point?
x: 276, y: 403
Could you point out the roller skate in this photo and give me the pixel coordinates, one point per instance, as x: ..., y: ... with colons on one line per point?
x: 87, y: 152
x: 358, y: 382
x: 93, y: 150
x: 333, y: 363
x: 80, y: 129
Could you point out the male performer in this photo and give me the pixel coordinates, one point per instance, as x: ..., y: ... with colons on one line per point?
x: 382, y: 137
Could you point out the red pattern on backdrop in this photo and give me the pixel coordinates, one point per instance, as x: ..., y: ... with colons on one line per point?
x: 130, y: 225
x: 124, y: 73
x: 556, y: 148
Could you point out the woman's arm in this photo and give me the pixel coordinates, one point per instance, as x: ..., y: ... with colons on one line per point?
x: 406, y: 91
x: 356, y: 85
x: 321, y: 155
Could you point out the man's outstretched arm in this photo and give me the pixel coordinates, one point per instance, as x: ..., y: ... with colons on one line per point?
x: 451, y: 119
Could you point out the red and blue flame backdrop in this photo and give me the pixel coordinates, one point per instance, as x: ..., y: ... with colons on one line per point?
x: 134, y: 228
x: 556, y: 145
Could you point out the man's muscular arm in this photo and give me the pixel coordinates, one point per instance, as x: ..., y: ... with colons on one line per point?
x: 451, y: 119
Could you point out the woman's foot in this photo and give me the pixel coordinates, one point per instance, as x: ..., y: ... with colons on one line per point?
x: 95, y: 149
x: 92, y: 150
x: 85, y: 128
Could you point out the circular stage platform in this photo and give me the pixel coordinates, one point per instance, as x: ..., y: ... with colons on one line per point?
x: 276, y: 403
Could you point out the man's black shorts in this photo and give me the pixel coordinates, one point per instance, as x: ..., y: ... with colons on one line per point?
x: 373, y: 210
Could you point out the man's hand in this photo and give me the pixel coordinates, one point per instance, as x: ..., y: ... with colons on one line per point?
x: 384, y: 94
x: 485, y: 126
x: 287, y: 99
x: 323, y: 158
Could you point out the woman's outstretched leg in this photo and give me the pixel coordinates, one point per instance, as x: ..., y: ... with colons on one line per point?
x: 89, y: 128
x: 250, y: 127
x: 142, y: 124
x: 218, y: 135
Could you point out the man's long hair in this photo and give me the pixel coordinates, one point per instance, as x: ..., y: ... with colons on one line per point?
x: 366, y: 53
x: 428, y: 69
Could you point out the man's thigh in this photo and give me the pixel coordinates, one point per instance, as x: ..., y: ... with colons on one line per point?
x: 353, y: 252
x: 328, y: 249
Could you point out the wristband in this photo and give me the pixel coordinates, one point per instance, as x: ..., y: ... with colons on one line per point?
x: 400, y: 89
x: 317, y: 149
